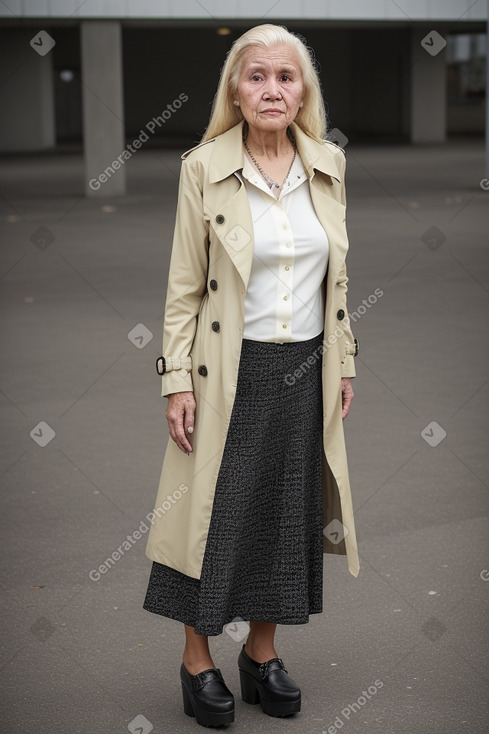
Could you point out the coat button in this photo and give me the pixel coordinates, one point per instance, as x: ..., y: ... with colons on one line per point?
x: 220, y: 219
x: 202, y: 370
x: 340, y: 315
x: 213, y: 285
x: 216, y: 326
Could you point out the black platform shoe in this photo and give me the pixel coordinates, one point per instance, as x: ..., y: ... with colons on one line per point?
x: 269, y: 685
x: 207, y: 697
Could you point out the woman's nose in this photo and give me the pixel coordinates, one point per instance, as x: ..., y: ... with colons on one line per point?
x: 272, y: 90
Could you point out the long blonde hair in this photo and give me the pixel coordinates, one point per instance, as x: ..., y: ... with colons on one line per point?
x: 311, y: 117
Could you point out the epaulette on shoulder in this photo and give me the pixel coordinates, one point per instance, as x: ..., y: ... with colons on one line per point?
x: 334, y: 145
x: 196, y: 147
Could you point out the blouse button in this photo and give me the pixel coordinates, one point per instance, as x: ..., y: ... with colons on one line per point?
x: 285, y: 298
x: 284, y: 326
x: 287, y: 267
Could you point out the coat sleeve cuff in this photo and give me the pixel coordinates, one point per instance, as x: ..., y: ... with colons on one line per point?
x: 176, y: 381
x: 348, y: 361
x: 348, y: 366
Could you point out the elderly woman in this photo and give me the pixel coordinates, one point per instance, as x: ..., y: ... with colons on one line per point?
x: 257, y: 360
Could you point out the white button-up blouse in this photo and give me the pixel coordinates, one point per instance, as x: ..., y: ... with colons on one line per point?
x: 284, y: 300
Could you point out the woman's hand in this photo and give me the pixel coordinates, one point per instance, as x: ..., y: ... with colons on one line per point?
x: 180, y: 413
x: 347, y: 395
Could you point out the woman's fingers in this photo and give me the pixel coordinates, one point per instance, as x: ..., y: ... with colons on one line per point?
x: 347, y: 395
x: 180, y: 415
x: 189, y: 418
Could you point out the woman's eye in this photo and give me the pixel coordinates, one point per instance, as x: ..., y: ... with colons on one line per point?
x: 255, y: 78
x: 285, y: 77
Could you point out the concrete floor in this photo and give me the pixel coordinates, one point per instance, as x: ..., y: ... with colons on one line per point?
x: 77, y: 276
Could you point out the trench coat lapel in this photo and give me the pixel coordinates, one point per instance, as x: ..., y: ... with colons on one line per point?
x: 331, y: 213
x: 236, y: 230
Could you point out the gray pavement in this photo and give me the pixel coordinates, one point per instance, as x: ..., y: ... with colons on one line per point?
x: 403, y: 648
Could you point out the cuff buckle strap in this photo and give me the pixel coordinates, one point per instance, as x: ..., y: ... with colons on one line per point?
x: 164, y: 365
x: 352, y: 349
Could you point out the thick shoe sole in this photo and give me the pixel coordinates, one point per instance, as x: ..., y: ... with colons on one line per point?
x: 252, y: 692
x: 205, y: 718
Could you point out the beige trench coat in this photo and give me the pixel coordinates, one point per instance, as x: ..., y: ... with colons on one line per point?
x: 203, y: 326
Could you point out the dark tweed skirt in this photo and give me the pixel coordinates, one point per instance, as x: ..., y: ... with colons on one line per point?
x: 264, y: 556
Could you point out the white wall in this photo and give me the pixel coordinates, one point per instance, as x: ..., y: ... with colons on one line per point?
x: 406, y: 10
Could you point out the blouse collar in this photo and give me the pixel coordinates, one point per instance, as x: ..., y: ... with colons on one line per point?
x: 296, y: 177
x: 227, y: 155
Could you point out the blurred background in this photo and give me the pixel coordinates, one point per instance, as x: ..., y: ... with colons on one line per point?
x: 377, y: 85
x: 98, y: 100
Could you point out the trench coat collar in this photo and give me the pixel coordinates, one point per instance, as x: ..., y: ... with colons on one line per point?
x: 227, y: 154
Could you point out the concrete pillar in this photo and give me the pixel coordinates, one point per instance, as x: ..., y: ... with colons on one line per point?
x: 103, y: 108
x: 428, y: 87
x: 27, y: 121
x: 487, y: 94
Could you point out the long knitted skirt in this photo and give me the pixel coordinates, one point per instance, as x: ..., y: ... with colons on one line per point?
x: 263, y: 558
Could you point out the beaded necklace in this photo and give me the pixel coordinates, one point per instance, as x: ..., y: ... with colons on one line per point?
x: 268, y: 180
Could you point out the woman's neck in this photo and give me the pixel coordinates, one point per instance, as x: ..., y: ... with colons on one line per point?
x: 267, y: 144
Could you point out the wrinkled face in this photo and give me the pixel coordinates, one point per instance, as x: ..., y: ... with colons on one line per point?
x: 270, y: 87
